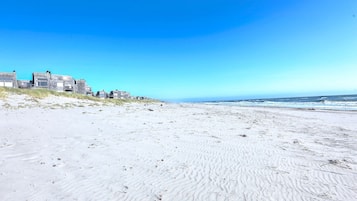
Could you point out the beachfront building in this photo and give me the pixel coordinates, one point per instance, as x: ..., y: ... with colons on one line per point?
x: 116, y: 94
x: 89, y: 91
x: 47, y: 80
x: 102, y: 94
x: 8, y: 80
x: 83, y: 88
x: 41, y: 80
x: 140, y: 98
x: 53, y: 82
x: 60, y: 83
x: 24, y: 84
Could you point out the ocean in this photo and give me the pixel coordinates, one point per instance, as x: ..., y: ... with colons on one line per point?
x: 340, y: 102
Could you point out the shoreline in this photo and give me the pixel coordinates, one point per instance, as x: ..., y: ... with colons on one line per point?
x: 284, y: 107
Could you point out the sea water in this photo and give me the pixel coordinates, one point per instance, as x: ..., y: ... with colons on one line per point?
x: 340, y: 102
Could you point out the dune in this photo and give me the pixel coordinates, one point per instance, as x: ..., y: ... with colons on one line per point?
x: 60, y: 148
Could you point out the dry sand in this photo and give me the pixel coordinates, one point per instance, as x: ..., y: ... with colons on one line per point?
x: 66, y: 149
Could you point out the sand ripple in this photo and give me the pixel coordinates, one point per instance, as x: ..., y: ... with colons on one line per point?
x: 177, y: 152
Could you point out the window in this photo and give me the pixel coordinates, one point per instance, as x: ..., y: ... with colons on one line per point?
x: 6, y: 79
x: 42, y: 82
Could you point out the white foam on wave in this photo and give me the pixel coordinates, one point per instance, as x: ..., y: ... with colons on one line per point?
x: 323, y: 105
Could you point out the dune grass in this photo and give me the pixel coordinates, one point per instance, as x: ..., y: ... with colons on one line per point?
x: 34, y: 93
x: 43, y: 93
x: 3, y: 93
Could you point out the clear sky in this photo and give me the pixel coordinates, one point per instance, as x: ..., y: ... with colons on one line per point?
x: 177, y: 49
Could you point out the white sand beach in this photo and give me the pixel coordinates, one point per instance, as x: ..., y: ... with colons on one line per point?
x: 67, y: 149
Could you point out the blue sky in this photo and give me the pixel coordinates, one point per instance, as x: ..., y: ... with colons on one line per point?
x: 182, y: 49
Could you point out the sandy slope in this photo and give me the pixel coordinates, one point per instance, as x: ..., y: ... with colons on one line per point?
x: 70, y: 150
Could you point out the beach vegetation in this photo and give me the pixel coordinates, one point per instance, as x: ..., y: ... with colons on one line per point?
x: 36, y: 94
x: 3, y: 93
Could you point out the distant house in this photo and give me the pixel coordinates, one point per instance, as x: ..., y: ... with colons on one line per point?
x: 61, y: 83
x: 89, y: 91
x: 54, y: 82
x: 8, y: 80
x: 116, y: 94
x: 41, y: 80
x: 102, y: 94
x: 24, y: 84
x: 83, y: 88
x: 140, y: 98
x: 69, y: 83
